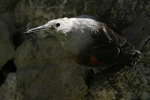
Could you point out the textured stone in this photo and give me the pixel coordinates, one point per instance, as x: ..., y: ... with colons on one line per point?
x: 5, y: 5
x: 47, y: 72
x: 7, y: 90
x: 7, y: 49
x: 131, y: 84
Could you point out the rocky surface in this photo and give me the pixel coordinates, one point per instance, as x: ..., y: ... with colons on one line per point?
x: 49, y: 75
x: 44, y: 69
x: 7, y: 49
x: 7, y: 90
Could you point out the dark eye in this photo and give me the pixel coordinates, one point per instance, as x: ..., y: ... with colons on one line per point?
x: 58, y: 24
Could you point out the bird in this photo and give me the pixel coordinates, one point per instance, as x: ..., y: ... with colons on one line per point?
x: 91, y: 41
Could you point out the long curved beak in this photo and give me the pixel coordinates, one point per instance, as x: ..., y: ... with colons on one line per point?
x: 33, y: 30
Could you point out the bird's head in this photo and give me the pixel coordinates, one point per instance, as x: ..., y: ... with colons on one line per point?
x: 60, y: 26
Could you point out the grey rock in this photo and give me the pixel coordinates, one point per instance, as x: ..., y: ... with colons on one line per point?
x: 7, y: 49
x: 46, y: 72
x: 7, y: 90
x: 5, y: 5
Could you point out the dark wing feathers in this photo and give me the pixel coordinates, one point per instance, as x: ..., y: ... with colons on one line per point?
x: 109, y: 46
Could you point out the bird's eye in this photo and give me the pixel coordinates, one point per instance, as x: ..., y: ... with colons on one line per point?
x: 58, y: 24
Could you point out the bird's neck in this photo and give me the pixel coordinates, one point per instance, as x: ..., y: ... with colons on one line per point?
x: 76, y: 41
x: 79, y: 36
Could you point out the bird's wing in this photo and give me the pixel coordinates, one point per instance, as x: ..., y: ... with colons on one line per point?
x: 109, y: 46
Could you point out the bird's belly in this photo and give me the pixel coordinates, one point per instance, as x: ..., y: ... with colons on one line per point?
x: 75, y: 45
x: 73, y: 49
x: 82, y: 55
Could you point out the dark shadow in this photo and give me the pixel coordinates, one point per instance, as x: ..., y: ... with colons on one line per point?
x: 6, y: 69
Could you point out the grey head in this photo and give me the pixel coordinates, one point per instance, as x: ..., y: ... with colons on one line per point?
x: 58, y: 25
x: 65, y: 25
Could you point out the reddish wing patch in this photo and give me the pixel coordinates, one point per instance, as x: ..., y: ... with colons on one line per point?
x: 94, y: 61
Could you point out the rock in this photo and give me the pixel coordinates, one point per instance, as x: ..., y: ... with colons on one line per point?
x: 7, y: 49
x: 45, y: 71
x: 130, y: 83
x: 5, y: 5
x: 7, y: 90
